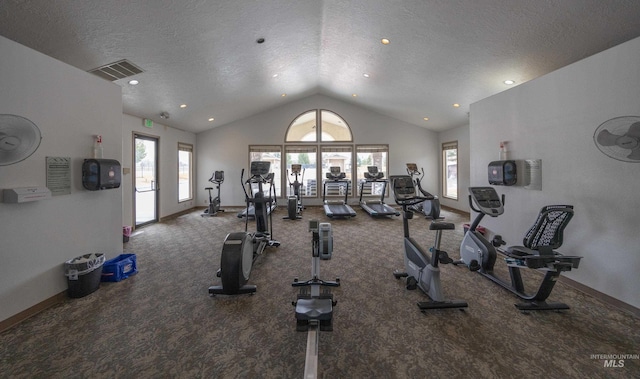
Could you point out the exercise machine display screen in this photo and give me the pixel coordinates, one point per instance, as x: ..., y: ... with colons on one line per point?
x: 486, y: 197
x: 403, y: 187
x: 260, y: 168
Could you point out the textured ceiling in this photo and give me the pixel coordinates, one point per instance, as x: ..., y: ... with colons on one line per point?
x: 203, y: 53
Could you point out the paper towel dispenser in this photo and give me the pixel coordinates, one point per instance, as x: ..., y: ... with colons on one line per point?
x: 502, y: 173
x: 100, y: 174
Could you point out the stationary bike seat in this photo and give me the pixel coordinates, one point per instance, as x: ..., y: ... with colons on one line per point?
x: 439, y: 225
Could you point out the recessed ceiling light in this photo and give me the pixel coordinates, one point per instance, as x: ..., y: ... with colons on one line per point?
x: 283, y: 95
x: 365, y: 75
x: 183, y: 105
x: 260, y: 40
x: 354, y: 94
x: 211, y: 119
x: 456, y: 105
x: 426, y: 118
x: 274, y: 75
x: 133, y: 82
x: 385, y: 41
x: 509, y: 82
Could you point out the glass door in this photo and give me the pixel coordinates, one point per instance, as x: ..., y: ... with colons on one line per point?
x: 145, y: 186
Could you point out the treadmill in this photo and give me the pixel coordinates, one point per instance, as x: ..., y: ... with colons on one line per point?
x: 336, y: 208
x: 259, y: 180
x: 375, y: 207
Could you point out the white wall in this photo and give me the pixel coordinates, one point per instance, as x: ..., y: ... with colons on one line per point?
x: 226, y: 147
x: 70, y: 107
x: 554, y: 118
x: 460, y: 134
x: 168, y: 139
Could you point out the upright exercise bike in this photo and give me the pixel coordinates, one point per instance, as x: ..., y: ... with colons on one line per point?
x: 537, y: 253
x: 240, y: 249
x: 314, y: 304
x: 214, y: 203
x: 431, y: 206
x: 422, y: 269
x: 294, y: 202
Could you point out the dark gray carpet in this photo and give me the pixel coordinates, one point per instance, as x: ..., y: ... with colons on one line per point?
x: 162, y: 323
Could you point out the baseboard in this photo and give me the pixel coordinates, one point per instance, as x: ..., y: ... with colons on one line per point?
x: 32, y: 311
x: 178, y: 214
x: 601, y: 296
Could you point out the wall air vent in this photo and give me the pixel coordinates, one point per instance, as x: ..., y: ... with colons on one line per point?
x: 117, y: 70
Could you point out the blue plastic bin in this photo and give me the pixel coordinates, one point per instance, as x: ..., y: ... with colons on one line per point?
x: 119, y: 268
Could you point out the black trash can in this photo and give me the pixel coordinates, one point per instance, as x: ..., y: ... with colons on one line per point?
x: 83, y: 274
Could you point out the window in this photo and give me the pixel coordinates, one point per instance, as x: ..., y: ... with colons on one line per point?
x: 303, y: 128
x: 307, y: 157
x: 307, y: 131
x: 333, y: 128
x: 270, y: 154
x: 185, y: 172
x: 371, y: 155
x: 450, y: 170
x: 339, y: 156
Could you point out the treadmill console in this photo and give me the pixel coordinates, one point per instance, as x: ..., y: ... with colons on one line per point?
x: 487, y: 200
x: 260, y: 168
x: 373, y: 173
x: 335, y: 174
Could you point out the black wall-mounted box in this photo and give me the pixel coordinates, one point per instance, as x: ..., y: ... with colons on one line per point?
x: 503, y: 173
x: 99, y: 174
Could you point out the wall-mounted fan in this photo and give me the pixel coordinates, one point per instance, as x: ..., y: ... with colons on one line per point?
x: 19, y: 138
x: 619, y: 138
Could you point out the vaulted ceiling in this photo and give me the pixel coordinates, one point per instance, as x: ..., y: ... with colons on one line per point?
x: 206, y: 54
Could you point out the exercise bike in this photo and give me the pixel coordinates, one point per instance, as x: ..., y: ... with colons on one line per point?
x: 240, y: 249
x: 422, y: 270
x: 431, y: 206
x: 214, y: 203
x: 537, y: 253
x: 314, y: 304
x: 294, y: 202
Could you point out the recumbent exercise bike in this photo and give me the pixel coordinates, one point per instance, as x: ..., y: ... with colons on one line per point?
x: 538, y: 251
x: 240, y: 249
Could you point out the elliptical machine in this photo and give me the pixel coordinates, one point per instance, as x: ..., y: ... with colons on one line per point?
x: 240, y: 249
x: 249, y: 211
x: 314, y: 308
x: 214, y: 204
x: 294, y: 202
x: 537, y: 253
x: 422, y: 270
x: 431, y: 206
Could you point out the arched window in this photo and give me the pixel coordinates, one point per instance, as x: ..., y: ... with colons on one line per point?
x: 333, y: 128
x: 311, y: 141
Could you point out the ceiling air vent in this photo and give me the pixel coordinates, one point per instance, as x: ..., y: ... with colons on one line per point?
x: 117, y: 70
